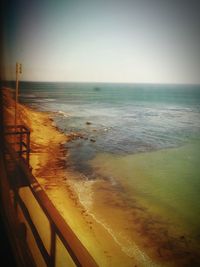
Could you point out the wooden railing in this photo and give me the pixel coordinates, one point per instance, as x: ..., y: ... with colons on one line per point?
x: 17, y: 156
x: 20, y: 139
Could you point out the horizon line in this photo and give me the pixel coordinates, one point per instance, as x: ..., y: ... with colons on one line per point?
x: 106, y: 82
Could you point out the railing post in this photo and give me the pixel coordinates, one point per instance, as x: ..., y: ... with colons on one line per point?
x: 28, y: 148
x: 20, y: 142
x: 53, y: 247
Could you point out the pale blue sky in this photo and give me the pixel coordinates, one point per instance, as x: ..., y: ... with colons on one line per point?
x: 104, y: 41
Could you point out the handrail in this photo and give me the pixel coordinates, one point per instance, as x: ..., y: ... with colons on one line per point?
x: 24, y: 146
x: 36, y: 235
x: 59, y: 226
x: 18, y: 244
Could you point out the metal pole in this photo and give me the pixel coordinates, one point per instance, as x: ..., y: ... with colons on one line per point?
x: 18, y: 71
x: 16, y: 93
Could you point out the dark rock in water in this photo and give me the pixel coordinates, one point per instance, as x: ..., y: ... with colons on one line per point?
x: 92, y: 140
x: 88, y: 123
x: 74, y: 136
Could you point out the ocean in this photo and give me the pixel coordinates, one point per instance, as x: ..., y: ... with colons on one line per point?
x: 137, y: 146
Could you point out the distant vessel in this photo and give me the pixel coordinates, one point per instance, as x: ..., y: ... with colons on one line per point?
x: 97, y: 88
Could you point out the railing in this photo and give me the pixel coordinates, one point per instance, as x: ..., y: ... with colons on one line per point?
x: 21, y: 178
x: 20, y: 136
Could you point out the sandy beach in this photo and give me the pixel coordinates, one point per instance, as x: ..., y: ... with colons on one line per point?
x: 48, y: 159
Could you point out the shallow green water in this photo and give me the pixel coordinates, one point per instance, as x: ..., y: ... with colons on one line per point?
x: 166, y: 185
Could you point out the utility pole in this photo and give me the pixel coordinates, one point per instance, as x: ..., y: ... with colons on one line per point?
x: 18, y: 71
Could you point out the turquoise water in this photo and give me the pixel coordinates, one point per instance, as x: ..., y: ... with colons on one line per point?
x: 124, y: 118
x: 144, y: 140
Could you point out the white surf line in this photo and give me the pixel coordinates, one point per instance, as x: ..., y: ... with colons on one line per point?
x: 131, y: 250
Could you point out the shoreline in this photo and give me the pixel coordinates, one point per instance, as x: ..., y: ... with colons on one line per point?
x: 58, y: 184
x: 76, y: 202
x: 69, y: 196
x: 47, y: 159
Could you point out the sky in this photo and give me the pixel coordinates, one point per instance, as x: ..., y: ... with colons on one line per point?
x: 123, y: 41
